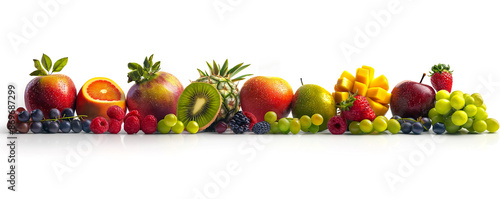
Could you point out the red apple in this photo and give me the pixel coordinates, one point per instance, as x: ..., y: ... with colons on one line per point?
x: 412, y: 99
x: 262, y: 94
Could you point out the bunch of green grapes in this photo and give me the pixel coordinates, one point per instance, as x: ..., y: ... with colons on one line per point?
x: 457, y: 110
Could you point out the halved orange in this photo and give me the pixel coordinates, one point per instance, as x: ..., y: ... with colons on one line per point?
x: 97, y: 95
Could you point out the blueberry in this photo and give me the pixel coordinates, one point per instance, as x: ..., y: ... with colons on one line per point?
x: 86, y: 125
x: 53, y: 127
x: 427, y: 123
x: 54, y: 113
x: 261, y: 128
x: 45, y: 126
x: 23, y: 116
x: 417, y: 128
x: 406, y: 127
x: 65, y: 126
x: 76, y: 126
x: 438, y: 128
x: 37, y: 115
x: 68, y: 112
x: 36, y: 127
x: 398, y: 118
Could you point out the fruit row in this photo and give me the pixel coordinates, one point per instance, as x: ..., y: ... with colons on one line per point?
x: 158, y: 102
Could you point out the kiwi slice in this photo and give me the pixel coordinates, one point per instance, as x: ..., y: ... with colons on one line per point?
x: 200, y: 102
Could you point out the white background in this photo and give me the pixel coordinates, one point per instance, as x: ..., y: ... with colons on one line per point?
x: 288, y: 39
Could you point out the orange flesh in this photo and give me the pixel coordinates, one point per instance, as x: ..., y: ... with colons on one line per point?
x: 103, y: 90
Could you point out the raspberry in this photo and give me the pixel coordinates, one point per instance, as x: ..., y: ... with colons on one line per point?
x: 221, y: 127
x: 261, y: 128
x: 253, y: 119
x: 133, y: 113
x: 99, y: 125
x: 148, y: 124
x: 132, y: 125
x: 337, y: 125
x: 239, y: 123
x: 115, y: 112
x: 115, y: 126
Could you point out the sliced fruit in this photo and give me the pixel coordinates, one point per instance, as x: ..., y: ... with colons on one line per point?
x: 380, y: 81
x: 378, y: 94
x: 387, y: 99
x: 200, y: 102
x: 344, y: 84
x: 372, y: 72
x: 363, y: 76
x: 378, y: 108
x: 97, y: 95
x: 341, y: 96
x: 348, y: 75
x: 359, y: 88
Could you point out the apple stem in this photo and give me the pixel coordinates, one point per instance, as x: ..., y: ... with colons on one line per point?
x: 301, y: 81
x: 422, y: 77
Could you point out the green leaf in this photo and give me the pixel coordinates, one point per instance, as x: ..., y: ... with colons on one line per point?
x: 223, y: 70
x: 134, y: 76
x: 59, y: 65
x: 46, y: 62
x: 38, y: 73
x: 216, y: 69
x: 133, y: 66
x: 140, y: 70
x: 214, y: 66
x: 238, y: 70
x: 151, y: 60
x: 156, y: 67
x: 201, y: 73
x: 38, y: 66
x: 147, y: 66
x: 234, y: 68
x: 241, y: 77
x: 209, y: 67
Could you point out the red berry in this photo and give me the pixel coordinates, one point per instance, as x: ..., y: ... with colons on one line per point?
x: 253, y: 119
x: 357, y: 108
x: 441, y: 77
x: 99, y: 125
x: 149, y: 124
x: 115, y: 112
x: 133, y: 113
x: 221, y: 127
x: 337, y: 125
x: 132, y: 125
x: 115, y: 126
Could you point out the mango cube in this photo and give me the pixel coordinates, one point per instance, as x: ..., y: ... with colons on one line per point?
x: 378, y: 94
x: 371, y: 70
x: 337, y: 88
x: 380, y: 81
x: 341, y: 96
x: 378, y: 108
x: 344, y: 84
x: 359, y: 88
x: 387, y: 99
x: 348, y: 75
x: 363, y: 76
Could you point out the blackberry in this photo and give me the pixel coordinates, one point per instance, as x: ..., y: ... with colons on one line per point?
x: 239, y: 123
x: 261, y: 128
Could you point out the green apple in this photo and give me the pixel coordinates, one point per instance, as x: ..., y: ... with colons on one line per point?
x: 310, y: 99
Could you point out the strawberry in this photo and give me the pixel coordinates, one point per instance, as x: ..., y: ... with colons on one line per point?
x: 356, y: 108
x: 441, y: 77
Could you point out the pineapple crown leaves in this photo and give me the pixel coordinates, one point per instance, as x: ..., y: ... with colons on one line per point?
x: 48, y: 68
x: 144, y: 73
x: 348, y: 103
x: 225, y: 71
x: 440, y: 68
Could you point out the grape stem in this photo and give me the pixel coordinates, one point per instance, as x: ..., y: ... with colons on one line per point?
x: 65, y: 118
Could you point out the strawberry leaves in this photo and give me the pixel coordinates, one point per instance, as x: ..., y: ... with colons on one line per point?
x: 47, y: 68
x: 141, y: 74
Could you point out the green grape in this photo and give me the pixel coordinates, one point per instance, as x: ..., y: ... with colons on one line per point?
x: 193, y: 127
x: 433, y: 112
x: 459, y: 118
x: 305, y: 122
x: 469, y: 123
x: 270, y: 117
x: 468, y: 99
x: 317, y: 119
x: 314, y: 128
x: 354, y: 128
x: 456, y: 93
x: 162, y: 127
x: 457, y: 102
x: 471, y: 110
x: 379, y: 124
x: 284, y: 125
x: 483, y: 106
x: 393, y: 126
x: 275, y: 127
x: 443, y: 106
x: 366, y: 126
x: 170, y: 120
x: 492, y: 125
x: 478, y: 99
x: 295, y: 126
x: 442, y: 94
x: 450, y: 127
x: 384, y: 118
x: 437, y: 118
x: 178, y: 127
x: 481, y: 114
x: 480, y: 126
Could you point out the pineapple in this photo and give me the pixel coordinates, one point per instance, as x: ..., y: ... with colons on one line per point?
x: 222, y: 79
